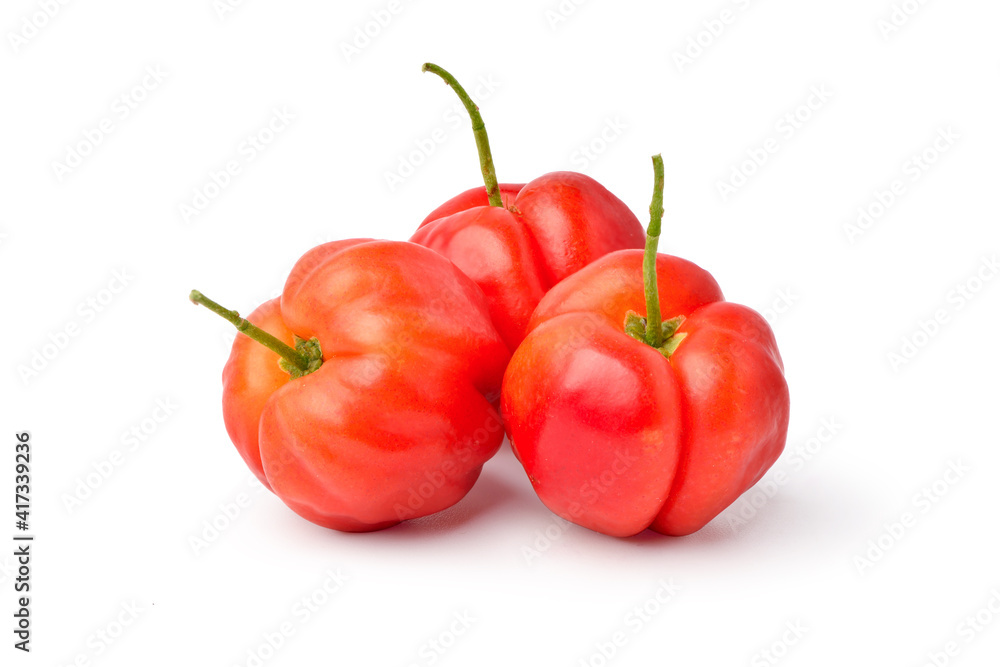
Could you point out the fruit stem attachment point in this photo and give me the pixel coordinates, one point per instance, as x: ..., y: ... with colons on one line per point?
x: 295, y: 359
x: 654, y: 321
x: 478, y: 129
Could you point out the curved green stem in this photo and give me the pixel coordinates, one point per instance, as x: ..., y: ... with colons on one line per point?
x: 652, y: 330
x: 654, y: 321
x: 301, y: 360
x: 479, y: 129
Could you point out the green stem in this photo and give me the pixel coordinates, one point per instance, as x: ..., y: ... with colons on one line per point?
x: 654, y: 321
x: 291, y: 356
x: 651, y: 329
x: 479, y: 129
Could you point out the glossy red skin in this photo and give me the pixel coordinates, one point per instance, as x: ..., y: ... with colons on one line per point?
x: 472, y: 198
x: 400, y: 418
x: 547, y: 230
x: 616, y: 437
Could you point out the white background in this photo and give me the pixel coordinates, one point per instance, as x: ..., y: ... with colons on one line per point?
x: 824, y: 551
